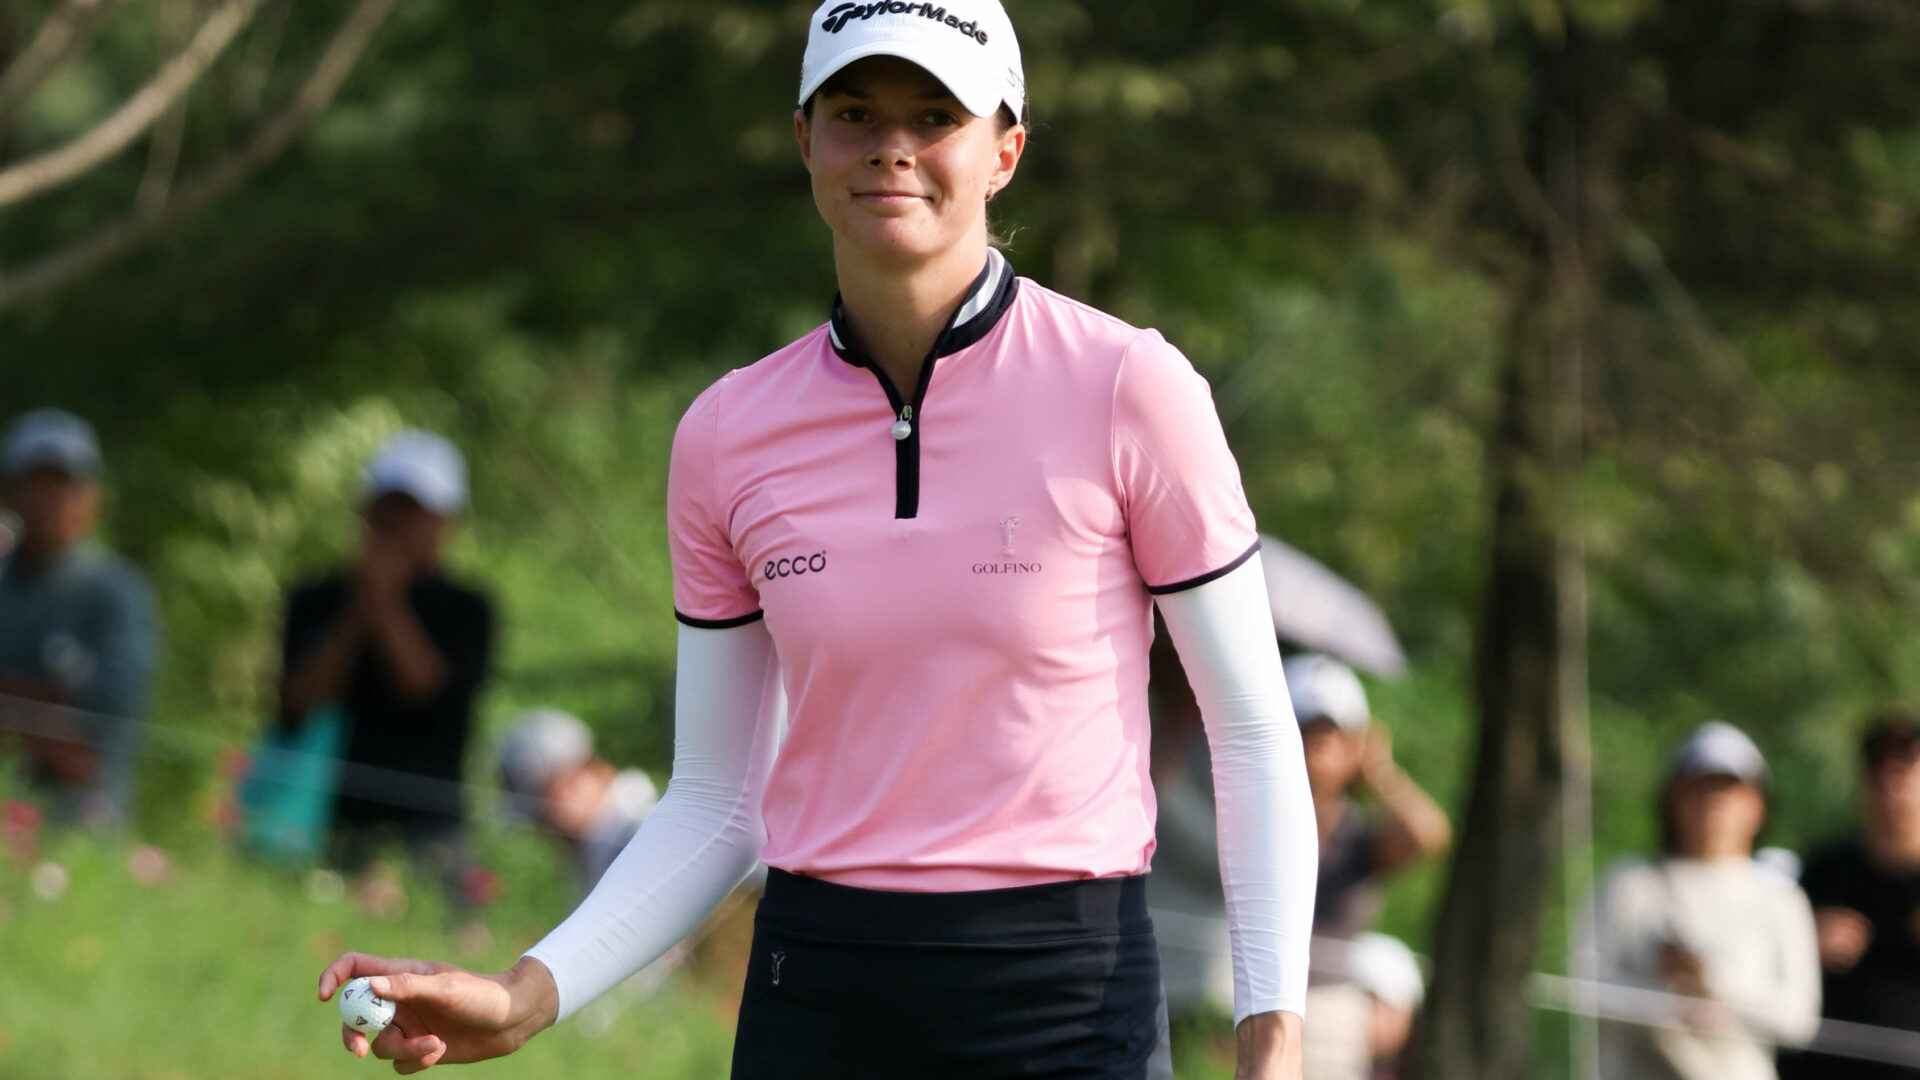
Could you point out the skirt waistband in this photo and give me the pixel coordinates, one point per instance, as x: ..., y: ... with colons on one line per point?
x: 1025, y: 914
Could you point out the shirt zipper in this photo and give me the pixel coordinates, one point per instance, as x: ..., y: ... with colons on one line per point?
x: 910, y: 417
x: 908, y: 420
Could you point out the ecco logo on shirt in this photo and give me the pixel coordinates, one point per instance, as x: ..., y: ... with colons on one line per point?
x: 797, y: 565
x: 838, y: 18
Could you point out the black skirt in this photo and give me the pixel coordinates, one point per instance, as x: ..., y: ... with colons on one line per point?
x: 1060, y: 981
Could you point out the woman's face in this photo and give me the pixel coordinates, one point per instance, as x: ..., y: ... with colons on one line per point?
x: 900, y: 170
x: 1717, y: 816
x: 1333, y: 756
x: 1893, y: 786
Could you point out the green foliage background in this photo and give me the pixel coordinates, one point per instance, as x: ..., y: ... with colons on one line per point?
x: 541, y: 230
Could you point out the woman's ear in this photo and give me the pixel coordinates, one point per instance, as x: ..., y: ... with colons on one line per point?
x: 803, y: 134
x: 1013, y: 143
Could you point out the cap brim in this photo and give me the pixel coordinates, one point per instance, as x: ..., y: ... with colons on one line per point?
x: 978, y: 94
x: 1698, y: 772
x: 77, y: 466
x: 439, y: 503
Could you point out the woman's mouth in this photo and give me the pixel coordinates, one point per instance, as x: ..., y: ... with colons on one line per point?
x: 889, y: 198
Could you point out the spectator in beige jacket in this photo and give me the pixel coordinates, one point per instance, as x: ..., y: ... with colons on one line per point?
x: 1731, y: 938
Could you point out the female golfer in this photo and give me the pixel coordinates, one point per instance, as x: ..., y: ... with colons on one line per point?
x: 915, y: 554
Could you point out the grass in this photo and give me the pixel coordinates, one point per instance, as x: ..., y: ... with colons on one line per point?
x: 209, y: 972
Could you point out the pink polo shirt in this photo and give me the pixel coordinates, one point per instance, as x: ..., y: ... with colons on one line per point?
x: 962, y: 614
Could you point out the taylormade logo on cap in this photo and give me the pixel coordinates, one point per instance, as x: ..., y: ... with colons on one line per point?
x: 968, y: 45
x: 838, y: 18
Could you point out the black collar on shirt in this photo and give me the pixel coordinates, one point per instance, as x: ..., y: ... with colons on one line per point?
x: 987, y: 300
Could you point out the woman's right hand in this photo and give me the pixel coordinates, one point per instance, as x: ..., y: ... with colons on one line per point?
x: 444, y: 1015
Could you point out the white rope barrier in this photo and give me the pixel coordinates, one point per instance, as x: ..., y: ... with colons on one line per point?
x: 372, y: 783
x: 1647, y: 1007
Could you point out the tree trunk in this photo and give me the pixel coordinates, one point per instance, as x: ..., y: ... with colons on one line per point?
x: 1530, y: 659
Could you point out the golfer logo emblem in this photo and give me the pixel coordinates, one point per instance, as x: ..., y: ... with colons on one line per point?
x: 1007, y: 525
x: 778, y: 959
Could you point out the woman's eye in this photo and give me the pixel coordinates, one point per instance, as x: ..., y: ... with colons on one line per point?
x: 942, y: 119
x: 853, y: 114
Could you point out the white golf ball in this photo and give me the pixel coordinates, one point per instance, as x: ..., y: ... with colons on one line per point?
x: 363, y: 1010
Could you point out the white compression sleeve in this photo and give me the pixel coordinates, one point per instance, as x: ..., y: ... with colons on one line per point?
x: 702, y: 839
x: 1269, y: 843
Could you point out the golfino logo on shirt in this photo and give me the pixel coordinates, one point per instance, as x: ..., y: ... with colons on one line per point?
x: 796, y: 566
x: 1008, y: 525
x: 1006, y: 568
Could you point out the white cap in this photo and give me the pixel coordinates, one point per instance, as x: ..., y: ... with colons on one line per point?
x: 1324, y: 687
x: 424, y: 466
x: 1384, y: 967
x: 540, y: 744
x: 1718, y: 749
x: 967, y: 44
x: 50, y: 437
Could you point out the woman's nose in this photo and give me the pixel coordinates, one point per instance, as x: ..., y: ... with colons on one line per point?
x: 891, y: 149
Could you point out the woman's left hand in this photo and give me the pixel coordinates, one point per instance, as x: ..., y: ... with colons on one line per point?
x: 1269, y: 1047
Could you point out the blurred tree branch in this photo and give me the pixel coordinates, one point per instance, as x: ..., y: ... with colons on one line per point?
x: 1899, y: 15
x: 1718, y: 146
x: 136, y: 115
x: 63, y: 33
x: 108, y: 243
x: 163, y: 150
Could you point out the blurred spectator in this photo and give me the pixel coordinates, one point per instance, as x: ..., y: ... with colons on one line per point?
x: 1347, y: 752
x: 1866, y: 899
x: 1387, y: 970
x: 403, y: 650
x: 1707, y: 921
x: 553, y: 777
x: 78, y: 634
x: 1361, y: 1024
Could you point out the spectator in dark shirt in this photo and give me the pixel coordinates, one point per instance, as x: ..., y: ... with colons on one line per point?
x: 78, y: 635
x: 1866, y: 899
x: 403, y: 651
x: 1348, y: 752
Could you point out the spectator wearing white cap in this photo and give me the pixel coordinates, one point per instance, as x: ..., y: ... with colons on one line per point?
x: 552, y: 776
x: 1349, y: 753
x: 402, y: 650
x: 79, y: 638
x: 1706, y: 921
x: 1361, y: 1025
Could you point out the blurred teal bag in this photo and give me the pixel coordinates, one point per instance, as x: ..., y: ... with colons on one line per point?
x: 288, y: 798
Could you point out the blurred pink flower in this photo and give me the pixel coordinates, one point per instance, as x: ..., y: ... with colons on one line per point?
x: 473, y: 940
x: 19, y: 830
x: 379, y: 893
x: 147, y: 864
x: 480, y: 886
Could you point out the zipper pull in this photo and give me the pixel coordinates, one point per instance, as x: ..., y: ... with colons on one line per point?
x: 903, y: 427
